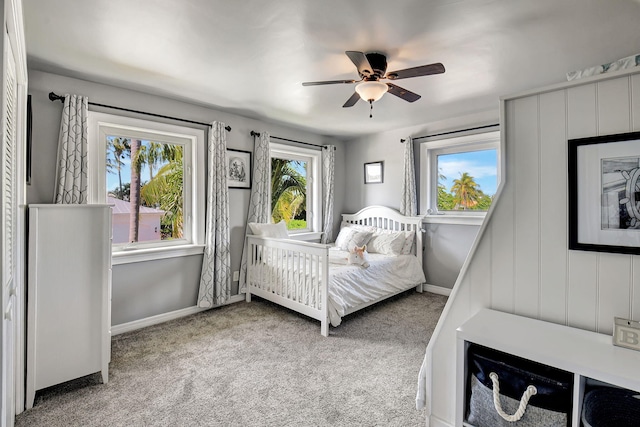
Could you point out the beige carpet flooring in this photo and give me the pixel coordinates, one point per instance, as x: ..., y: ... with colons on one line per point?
x: 256, y: 364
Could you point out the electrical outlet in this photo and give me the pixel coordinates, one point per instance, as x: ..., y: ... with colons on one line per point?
x: 236, y: 276
x: 626, y: 333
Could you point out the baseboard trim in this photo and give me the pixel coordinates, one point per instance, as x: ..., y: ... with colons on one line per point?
x: 437, y: 290
x: 438, y: 422
x: 165, y: 317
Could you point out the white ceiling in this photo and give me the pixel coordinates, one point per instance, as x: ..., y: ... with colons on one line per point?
x: 251, y: 56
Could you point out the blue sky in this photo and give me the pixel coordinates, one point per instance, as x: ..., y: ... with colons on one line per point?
x: 125, y: 171
x: 481, y: 165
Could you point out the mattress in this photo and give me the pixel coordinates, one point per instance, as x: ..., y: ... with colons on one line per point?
x: 350, y: 286
x: 353, y: 285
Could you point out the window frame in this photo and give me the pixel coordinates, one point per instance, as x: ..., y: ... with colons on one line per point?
x: 314, y: 181
x: 429, y: 152
x: 193, y: 142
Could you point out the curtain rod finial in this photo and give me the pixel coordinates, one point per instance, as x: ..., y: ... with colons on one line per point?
x: 228, y: 128
x: 402, y: 140
x: 54, y: 97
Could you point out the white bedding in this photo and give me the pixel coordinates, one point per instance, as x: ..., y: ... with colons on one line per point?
x: 349, y: 285
x: 352, y: 285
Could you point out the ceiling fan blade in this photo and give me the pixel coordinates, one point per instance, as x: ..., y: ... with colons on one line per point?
x: 352, y: 101
x: 329, y: 82
x: 422, y: 70
x: 403, y: 93
x: 361, y: 62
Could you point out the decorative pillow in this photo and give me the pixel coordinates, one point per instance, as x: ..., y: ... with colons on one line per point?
x: 408, y: 244
x: 387, y: 243
x: 278, y: 230
x: 343, y: 236
x: 350, y: 237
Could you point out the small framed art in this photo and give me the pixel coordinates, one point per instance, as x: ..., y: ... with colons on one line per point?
x: 604, y: 193
x: 238, y: 168
x: 373, y: 172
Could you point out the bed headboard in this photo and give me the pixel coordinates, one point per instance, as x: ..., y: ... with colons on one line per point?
x: 389, y: 219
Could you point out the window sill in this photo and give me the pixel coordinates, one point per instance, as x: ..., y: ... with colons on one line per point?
x: 152, y: 254
x: 308, y: 236
x: 454, y: 219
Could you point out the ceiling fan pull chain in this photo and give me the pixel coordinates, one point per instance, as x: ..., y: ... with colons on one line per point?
x: 371, y: 108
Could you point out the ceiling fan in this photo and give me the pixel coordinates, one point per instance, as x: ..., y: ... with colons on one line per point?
x: 372, y: 67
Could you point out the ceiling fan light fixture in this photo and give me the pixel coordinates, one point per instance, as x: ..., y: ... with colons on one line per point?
x: 371, y: 91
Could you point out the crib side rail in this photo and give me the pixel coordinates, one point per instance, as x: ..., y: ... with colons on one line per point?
x: 291, y: 273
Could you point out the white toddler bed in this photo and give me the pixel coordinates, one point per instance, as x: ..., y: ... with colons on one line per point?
x: 315, y: 279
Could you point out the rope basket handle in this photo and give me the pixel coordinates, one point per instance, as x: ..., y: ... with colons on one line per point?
x: 530, y: 391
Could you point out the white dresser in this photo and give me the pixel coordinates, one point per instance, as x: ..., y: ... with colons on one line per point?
x: 69, y: 294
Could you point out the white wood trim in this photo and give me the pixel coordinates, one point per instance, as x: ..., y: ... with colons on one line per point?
x: 165, y: 317
x: 437, y: 422
x: 313, y: 157
x: 454, y: 219
x: 310, y: 236
x: 439, y: 290
x: 573, y: 83
x: 151, y: 254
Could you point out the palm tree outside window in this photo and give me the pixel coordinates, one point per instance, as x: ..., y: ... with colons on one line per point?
x: 462, y: 174
x: 295, y: 185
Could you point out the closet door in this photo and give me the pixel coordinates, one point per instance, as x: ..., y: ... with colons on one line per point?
x: 9, y: 232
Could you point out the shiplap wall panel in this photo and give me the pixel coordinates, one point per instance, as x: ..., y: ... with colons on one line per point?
x: 501, y: 229
x: 614, y: 108
x: 634, y: 291
x: 579, y: 288
x: 526, y: 199
x: 581, y: 112
x: 582, y: 121
x: 614, y: 270
x: 614, y: 278
x: 582, y: 292
x: 635, y: 102
x: 443, y: 379
x: 553, y: 207
x: 480, y: 295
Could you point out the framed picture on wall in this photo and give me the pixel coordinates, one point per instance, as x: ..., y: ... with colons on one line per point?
x: 604, y: 193
x: 238, y: 168
x: 373, y: 172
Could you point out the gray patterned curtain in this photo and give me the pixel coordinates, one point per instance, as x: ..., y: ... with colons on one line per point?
x: 328, y: 168
x: 215, y: 279
x: 259, y: 204
x: 71, y: 169
x: 409, y: 201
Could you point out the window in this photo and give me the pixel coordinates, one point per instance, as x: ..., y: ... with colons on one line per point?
x: 295, y: 188
x: 153, y: 176
x: 462, y: 174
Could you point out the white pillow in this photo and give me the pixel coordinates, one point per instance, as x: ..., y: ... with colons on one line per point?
x: 350, y: 237
x: 408, y: 244
x: 387, y: 243
x: 278, y: 230
x: 343, y: 236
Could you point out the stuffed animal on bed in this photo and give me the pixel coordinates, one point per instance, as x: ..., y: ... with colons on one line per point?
x: 358, y: 256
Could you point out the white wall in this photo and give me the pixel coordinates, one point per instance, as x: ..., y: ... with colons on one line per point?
x: 446, y: 246
x: 155, y: 287
x: 521, y: 263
